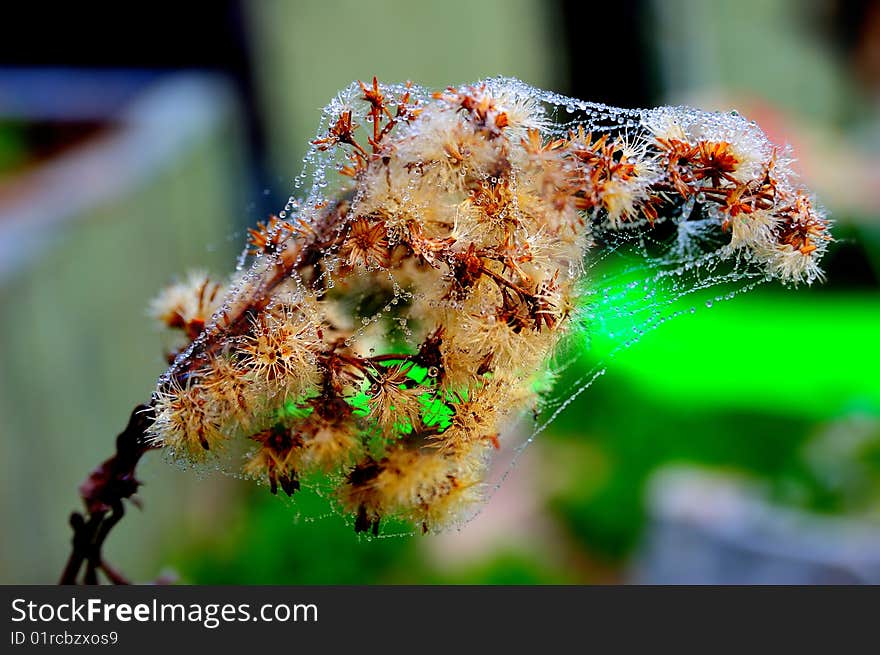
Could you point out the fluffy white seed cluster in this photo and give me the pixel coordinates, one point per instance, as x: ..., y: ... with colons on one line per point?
x: 387, y: 330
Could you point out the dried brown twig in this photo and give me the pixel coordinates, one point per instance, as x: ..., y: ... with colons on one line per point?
x: 103, y: 493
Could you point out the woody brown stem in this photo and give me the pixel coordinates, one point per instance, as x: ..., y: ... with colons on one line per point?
x: 103, y: 493
x: 389, y: 357
x: 503, y: 282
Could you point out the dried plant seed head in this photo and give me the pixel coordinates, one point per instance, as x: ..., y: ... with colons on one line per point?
x: 400, y: 314
x: 188, y: 305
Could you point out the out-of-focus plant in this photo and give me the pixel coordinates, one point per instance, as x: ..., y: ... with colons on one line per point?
x: 388, y: 326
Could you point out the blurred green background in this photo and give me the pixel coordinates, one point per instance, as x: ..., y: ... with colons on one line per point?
x: 125, y: 164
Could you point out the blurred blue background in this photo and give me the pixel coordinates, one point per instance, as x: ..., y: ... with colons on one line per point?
x: 738, y: 444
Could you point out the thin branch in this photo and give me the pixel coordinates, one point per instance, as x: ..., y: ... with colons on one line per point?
x: 103, y: 493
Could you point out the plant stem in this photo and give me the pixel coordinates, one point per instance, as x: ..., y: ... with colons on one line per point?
x: 103, y: 493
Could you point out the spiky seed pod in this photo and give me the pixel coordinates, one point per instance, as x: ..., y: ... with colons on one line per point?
x: 188, y: 305
x: 422, y: 485
x: 191, y: 420
x: 280, y: 353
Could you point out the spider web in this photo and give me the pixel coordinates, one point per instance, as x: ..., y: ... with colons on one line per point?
x: 638, y: 276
